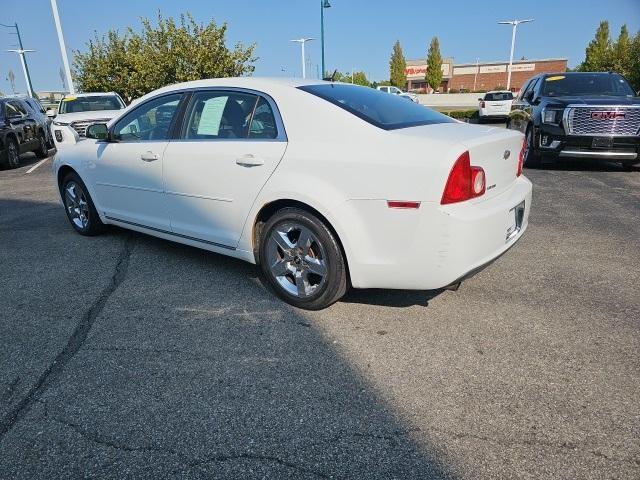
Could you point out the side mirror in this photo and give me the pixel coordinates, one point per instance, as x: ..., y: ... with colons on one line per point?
x: 528, y: 96
x: 480, y: 99
x: 98, y: 131
x: 51, y: 113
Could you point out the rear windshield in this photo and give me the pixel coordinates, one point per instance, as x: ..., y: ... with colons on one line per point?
x: 497, y: 96
x: 586, y: 84
x: 90, y: 104
x: 385, y: 111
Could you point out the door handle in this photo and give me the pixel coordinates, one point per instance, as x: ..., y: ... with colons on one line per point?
x: 249, y: 160
x: 148, y: 157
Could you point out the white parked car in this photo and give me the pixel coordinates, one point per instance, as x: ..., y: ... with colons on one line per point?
x: 396, y: 91
x: 77, y: 112
x: 495, y: 104
x: 324, y: 185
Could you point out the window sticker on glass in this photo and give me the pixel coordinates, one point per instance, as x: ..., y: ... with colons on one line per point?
x: 211, y: 116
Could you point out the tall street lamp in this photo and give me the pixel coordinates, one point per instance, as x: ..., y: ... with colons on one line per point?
x: 63, y: 49
x: 20, y: 51
x: 27, y: 79
x: 302, y: 41
x: 323, y: 4
x: 514, y: 24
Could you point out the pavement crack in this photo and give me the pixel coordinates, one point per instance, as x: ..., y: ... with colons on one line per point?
x: 104, y: 441
x: 74, y: 343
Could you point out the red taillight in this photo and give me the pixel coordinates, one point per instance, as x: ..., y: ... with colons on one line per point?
x: 521, y: 158
x: 464, y: 182
x: 481, y: 103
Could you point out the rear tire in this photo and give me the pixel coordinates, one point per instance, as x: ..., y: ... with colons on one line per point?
x: 79, y: 206
x: 531, y: 156
x: 301, y: 259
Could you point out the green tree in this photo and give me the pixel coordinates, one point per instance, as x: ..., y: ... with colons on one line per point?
x: 134, y: 64
x: 633, y: 75
x: 397, y: 66
x: 598, y: 54
x: 621, y: 54
x: 434, y: 64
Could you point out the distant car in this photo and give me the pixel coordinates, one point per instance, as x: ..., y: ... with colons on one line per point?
x: 578, y: 115
x: 324, y: 185
x: 396, y: 91
x: 77, y: 112
x: 495, y: 104
x: 40, y: 113
x: 20, y: 132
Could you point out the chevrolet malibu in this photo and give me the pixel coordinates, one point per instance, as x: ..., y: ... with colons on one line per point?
x: 323, y: 185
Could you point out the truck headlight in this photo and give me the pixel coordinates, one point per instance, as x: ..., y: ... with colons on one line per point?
x: 551, y: 116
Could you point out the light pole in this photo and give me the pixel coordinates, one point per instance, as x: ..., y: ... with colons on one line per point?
x: 63, y: 49
x: 514, y: 24
x: 323, y: 4
x: 20, y: 51
x: 302, y: 41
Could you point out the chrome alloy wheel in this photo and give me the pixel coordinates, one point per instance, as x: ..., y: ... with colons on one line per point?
x: 77, y: 207
x: 296, y: 259
x: 13, y: 157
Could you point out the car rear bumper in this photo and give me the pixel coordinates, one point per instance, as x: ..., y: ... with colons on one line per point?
x: 433, y: 246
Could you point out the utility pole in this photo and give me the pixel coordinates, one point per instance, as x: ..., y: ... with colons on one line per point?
x: 475, y: 78
x: 514, y: 24
x: 21, y: 51
x: 323, y: 4
x: 63, y: 49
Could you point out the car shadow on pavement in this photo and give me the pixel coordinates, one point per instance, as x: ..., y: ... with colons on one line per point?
x: 168, y: 361
x: 391, y: 298
x: 583, y: 165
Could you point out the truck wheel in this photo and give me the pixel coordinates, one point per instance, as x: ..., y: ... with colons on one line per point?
x: 42, y: 151
x: 531, y: 157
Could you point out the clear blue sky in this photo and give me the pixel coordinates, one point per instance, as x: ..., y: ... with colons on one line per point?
x: 359, y: 33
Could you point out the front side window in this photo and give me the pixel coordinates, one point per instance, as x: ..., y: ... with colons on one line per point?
x: 91, y: 103
x: 388, y: 112
x: 222, y: 115
x: 150, y: 121
x: 11, y: 111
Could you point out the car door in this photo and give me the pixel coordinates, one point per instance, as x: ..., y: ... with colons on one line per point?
x: 231, y: 141
x: 521, y: 109
x: 22, y: 124
x: 127, y: 169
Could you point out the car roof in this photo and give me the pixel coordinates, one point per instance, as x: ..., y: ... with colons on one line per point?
x: 499, y: 91
x: 89, y: 94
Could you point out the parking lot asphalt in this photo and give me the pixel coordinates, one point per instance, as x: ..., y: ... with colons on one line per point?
x: 126, y: 356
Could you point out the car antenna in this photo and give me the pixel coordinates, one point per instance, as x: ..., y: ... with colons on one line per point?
x: 332, y: 77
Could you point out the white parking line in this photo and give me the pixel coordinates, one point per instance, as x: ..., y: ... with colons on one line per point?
x: 37, y: 165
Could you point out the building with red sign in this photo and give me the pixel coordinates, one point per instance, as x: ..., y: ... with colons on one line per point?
x: 481, y: 76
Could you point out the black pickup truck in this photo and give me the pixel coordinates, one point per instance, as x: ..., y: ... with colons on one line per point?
x: 578, y: 115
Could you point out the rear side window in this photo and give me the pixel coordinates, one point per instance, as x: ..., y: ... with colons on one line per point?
x: 263, y: 122
x: 218, y: 114
x: 389, y: 112
x: 498, y: 96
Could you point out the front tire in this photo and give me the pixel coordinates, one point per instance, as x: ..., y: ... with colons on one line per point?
x: 43, y: 150
x: 531, y: 156
x: 80, y: 209
x: 301, y: 259
x: 12, y: 153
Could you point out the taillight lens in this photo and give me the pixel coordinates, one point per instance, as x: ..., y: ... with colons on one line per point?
x: 481, y: 103
x: 521, y: 158
x: 464, y: 182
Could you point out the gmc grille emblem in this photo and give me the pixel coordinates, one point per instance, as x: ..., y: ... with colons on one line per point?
x: 607, y: 115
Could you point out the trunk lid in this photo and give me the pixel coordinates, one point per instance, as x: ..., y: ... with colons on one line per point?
x: 494, y: 149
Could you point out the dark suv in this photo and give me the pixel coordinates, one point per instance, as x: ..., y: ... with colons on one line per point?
x: 579, y: 115
x: 20, y: 132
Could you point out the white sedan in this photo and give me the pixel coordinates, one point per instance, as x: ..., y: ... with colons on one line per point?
x: 324, y: 185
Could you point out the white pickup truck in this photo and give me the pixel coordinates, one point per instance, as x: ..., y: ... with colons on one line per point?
x: 396, y: 91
